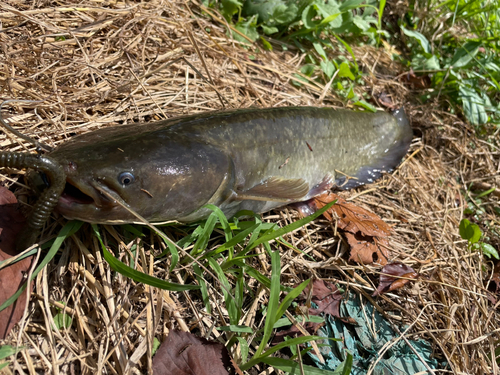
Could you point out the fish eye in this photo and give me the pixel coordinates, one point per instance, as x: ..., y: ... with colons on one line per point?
x: 126, y: 178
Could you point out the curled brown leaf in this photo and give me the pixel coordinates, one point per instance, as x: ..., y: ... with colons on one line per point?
x: 367, y: 249
x: 183, y: 353
x: 353, y: 218
x: 394, y: 276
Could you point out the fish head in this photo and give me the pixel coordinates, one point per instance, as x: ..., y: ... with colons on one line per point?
x: 159, y: 178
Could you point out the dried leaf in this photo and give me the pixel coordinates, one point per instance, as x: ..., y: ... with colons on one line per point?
x: 402, y: 273
x: 414, y: 81
x: 368, y: 250
x: 326, y: 296
x: 11, y: 277
x: 183, y: 353
x: 353, y: 218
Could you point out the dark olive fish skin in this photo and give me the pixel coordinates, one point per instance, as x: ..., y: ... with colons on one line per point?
x: 255, y: 159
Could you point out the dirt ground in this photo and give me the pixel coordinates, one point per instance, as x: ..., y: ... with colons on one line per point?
x: 101, y: 63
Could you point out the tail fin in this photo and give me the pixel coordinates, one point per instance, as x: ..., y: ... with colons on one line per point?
x: 387, y: 162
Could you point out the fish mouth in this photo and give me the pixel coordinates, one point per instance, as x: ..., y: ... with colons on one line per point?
x: 92, y: 193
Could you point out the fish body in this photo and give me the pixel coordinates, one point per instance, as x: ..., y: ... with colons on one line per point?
x: 252, y: 159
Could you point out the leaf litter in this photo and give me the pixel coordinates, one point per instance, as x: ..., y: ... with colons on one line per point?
x: 394, y: 276
x: 14, y: 275
x: 183, y: 353
x: 365, y: 231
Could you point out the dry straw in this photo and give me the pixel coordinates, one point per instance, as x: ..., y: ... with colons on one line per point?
x: 101, y: 63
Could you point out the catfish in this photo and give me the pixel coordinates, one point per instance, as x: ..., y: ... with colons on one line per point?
x: 246, y: 159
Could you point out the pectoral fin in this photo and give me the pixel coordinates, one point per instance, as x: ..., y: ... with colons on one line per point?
x: 275, y: 189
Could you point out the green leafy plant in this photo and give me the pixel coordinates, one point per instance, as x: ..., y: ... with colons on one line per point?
x: 62, y: 320
x: 472, y: 233
x: 464, y: 65
x: 5, y: 352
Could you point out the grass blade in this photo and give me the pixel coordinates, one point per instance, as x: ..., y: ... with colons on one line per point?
x: 290, y: 227
x: 272, y: 306
x: 69, y: 229
x: 138, y: 276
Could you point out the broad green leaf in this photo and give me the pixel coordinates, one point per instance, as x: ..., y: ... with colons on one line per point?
x: 465, y: 54
x: 266, y: 44
x: 271, y: 12
x: 319, y: 49
x: 330, y: 19
x: 431, y: 63
x: 249, y: 28
x: 230, y: 7
x: 269, y: 30
x: 308, y: 69
x: 308, y: 14
x: 351, y: 94
x: 328, y: 68
x: 285, y: 14
x: 473, y: 105
x: 345, y: 71
x: 362, y: 23
x: 489, y: 251
x: 421, y: 39
x: 62, y: 320
x: 469, y: 232
x: 330, y: 13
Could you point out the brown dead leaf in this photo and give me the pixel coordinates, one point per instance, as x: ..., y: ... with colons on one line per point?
x: 183, y: 353
x: 367, y: 249
x: 11, y: 277
x: 353, y: 218
x: 414, y: 81
x: 394, y: 276
x: 326, y: 296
